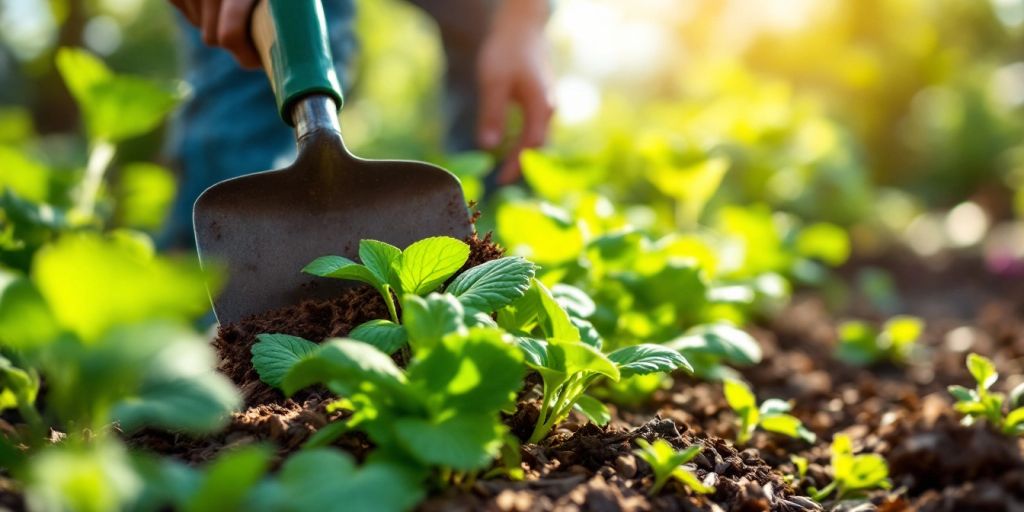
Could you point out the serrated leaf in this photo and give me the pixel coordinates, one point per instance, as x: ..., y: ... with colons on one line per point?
x: 982, y: 369
x: 340, y: 267
x: 465, y: 442
x: 593, y: 409
x: 426, y: 264
x: 429, y: 319
x: 494, y: 284
x: 274, y: 354
x: 383, y: 334
x: 380, y: 258
x: 648, y: 358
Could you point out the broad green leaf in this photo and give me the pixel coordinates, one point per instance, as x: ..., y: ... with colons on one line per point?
x: 178, y: 387
x: 347, y: 361
x: 25, y: 319
x: 464, y: 442
x: 593, y: 409
x: 383, y: 334
x: 556, y: 322
x: 426, y: 264
x: 588, y: 333
x: 229, y: 479
x: 339, y: 267
x: 93, y: 282
x: 572, y: 358
x: 554, y: 178
x: 901, y: 331
x: 691, y: 185
x: 18, y: 386
x: 540, y: 232
x: 648, y: 358
x: 536, y: 351
x: 721, y: 340
x: 982, y: 369
x: 494, y: 284
x: 962, y: 394
x: 144, y: 195
x: 868, y: 471
x: 1015, y: 418
x: 23, y: 175
x: 93, y: 477
x: 115, y: 107
x: 742, y: 400
x: 326, y: 479
x: 475, y: 372
x: 786, y: 425
x: 274, y: 354
x: 429, y: 319
x: 380, y: 258
x: 573, y: 300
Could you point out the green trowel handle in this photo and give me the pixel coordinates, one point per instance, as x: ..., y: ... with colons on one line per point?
x: 291, y: 37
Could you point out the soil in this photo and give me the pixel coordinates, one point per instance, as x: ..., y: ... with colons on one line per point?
x: 902, y: 413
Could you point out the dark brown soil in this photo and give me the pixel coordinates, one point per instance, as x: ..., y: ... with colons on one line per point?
x: 902, y: 413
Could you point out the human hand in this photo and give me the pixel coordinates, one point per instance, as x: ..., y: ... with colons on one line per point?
x: 224, y: 23
x: 513, y: 67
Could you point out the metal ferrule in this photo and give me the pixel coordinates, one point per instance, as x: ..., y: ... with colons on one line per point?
x: 313, y: 113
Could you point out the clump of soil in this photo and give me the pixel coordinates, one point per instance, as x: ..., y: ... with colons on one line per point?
x: 314, y: 320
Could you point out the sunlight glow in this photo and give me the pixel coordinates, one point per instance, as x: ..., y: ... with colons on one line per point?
x: 578, y: 100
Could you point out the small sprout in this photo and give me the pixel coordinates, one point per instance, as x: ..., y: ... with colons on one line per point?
x: 772, y: 416
x: 851, y: 473
x: 862, y: 344
x: 667, y: 462
x: 981, y: 403
x: 801, y: 464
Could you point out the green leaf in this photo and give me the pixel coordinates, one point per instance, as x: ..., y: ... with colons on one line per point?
x: 738, y: 395
x: 1014, y: 419
x: 383, y: 334
x: 593, y: 409
x: 690, y: 480
x: 867, y: 472
x: 572, y: 358
x: 426, y: 264
x: 144, y: 196
x: 115, y: 107
x: 24, y: 175
x: 588, y: 333
x: 324, y: 479
x: 25, y: 320
x: 573, y: 300
x: 494, y: 284
x: 339, y: 267
x: 380, y: 258
x: 536, y: 351
x: 982, y: 369
x: 539, y: 231
x: 721, y: 340
x: 229, y: 479
x: 465, y: 442
x: 774, y: 406
x: 648, y: 358
x: 555, y: 321
x: 823, y: 241
x: 429, y: 319
x: 787, y: 425
x: 962, y: 394
x: 91, y: 477
x: 93, y: 282
x: 475, y: 372
x: 19, y: 386
x: 349, y: 362
x: 274, y: 354
x: 1015, y: 397
x: 178, y: 387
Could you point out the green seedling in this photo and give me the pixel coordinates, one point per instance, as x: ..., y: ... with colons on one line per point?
x: 443, y: 412
x: 667, y: 462
x: 709, y: 346
x: 862, y: 344
x: 981, y: 403
x: 772, y: 416
x: 853, y: 474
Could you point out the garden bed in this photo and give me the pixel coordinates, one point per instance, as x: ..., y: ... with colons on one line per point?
x: 904, y: 414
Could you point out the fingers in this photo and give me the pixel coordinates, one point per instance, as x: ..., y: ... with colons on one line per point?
x: 233, y: 31
x: 188, y: 9
x: 210, y: 13
x: 537, y: 109
x: 494, y: 98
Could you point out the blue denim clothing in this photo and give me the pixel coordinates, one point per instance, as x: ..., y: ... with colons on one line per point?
x: 230, y: 127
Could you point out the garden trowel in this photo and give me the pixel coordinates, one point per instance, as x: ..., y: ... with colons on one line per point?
x: 265, y: 227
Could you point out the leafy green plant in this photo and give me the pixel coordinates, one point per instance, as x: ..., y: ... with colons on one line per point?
x: 772, y: 415
x: 441, y: 412
x: 981, y: 403
x: 853, y: 474
x: 708, y: 347
x: 667, y: 462
x: 862, y: 344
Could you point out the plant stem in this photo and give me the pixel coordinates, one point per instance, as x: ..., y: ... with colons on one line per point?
x: 100, y: 155
x: 390, y: 302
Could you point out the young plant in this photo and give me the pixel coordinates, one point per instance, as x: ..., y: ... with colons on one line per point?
x: 862, y: 344
x: 853, y: 474
x: 708, y: 347
x: 442, y: 412
x: 667, y: 463
x: 772, y: 416
x: 569, y: 363
x: 420, y: 269
x: 981, y: 403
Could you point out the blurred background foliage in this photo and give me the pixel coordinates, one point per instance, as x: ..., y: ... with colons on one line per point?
x: 897, y: 119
